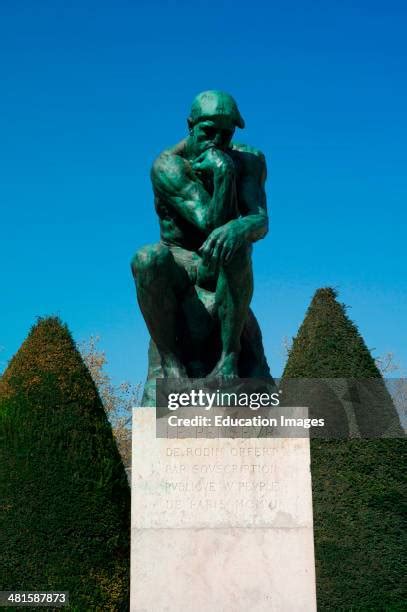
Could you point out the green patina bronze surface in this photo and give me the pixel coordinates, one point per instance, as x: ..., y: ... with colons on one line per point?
x: 194, y: 287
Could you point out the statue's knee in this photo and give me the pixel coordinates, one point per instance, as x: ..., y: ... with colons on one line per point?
x: 150, y: 259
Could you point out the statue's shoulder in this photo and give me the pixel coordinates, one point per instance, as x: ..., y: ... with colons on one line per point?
x: 252, y: 151
x: 251, y: 160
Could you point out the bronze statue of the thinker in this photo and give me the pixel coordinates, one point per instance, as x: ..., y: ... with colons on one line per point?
x: 194, y: 287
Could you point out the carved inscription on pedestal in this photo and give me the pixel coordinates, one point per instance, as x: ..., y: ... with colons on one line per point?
x: 218, y: 482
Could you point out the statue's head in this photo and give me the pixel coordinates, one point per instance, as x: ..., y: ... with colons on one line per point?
x: 212, y: 121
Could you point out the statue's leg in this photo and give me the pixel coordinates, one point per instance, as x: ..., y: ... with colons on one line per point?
x: 161, y: 283
x: 252, y: 360
x: 233, y: 295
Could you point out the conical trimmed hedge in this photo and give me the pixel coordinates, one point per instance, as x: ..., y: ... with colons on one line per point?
x: 65, y: 499
x: 328, y: 344
x: 359, y: 490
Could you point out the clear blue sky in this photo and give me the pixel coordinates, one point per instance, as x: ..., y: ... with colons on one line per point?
x: 92, y: 91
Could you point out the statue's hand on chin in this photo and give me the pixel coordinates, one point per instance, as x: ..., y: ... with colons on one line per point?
x: 213, y: 160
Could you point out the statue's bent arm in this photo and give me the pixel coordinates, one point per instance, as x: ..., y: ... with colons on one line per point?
x: 252, y: 197
x: 174, y: 182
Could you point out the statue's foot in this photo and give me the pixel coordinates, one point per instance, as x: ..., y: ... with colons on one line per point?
x: 173, y: 368
x: 226, y: 367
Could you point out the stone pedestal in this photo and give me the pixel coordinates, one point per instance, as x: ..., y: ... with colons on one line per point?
x: 220, y: 525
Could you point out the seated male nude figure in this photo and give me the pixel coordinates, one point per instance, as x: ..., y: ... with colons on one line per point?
x: 211, y: 203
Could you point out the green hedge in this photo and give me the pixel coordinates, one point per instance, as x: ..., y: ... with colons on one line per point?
x: 65, y: 499
x: 328, y: 344
x: 359, y: 486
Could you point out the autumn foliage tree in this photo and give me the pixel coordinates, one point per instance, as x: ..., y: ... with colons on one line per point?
x: 65, y: 499
x: 118, y: 399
